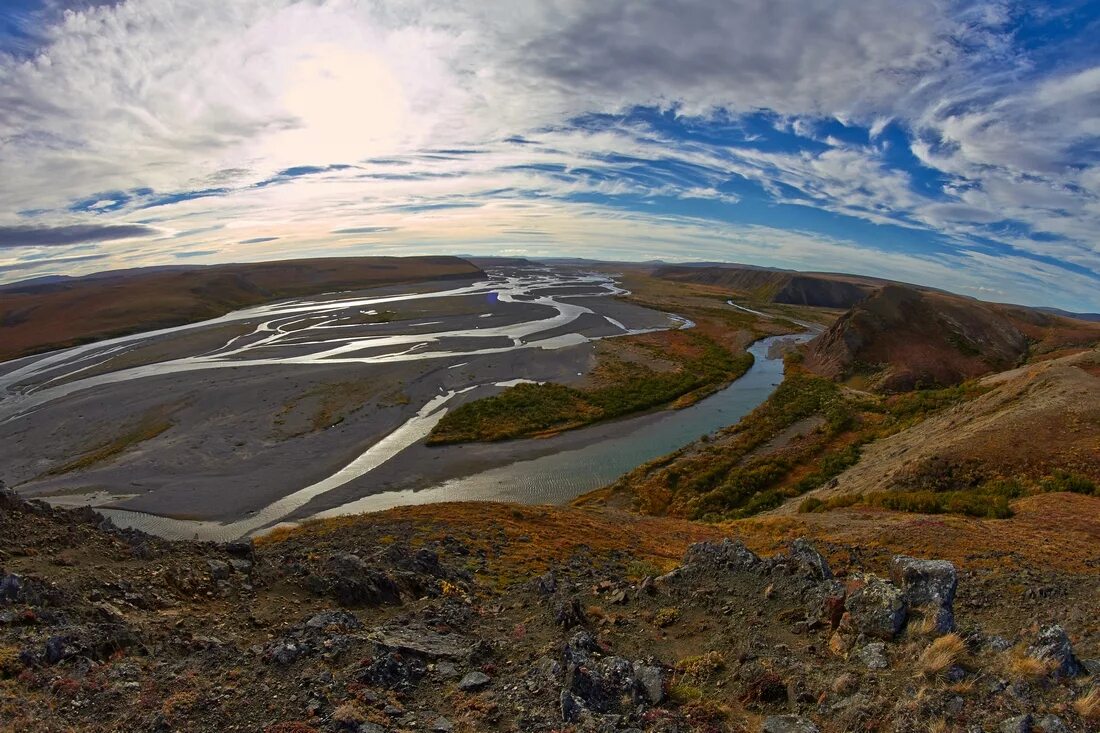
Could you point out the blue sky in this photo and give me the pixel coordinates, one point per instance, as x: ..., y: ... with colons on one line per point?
x: 955, y: 144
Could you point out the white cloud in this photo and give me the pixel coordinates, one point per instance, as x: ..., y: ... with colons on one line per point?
x: 177, y: 96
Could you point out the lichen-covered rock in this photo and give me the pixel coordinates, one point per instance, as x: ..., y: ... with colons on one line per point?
x: 875, y: 607
x: 809, y: 561
x: 873, y: 656
x: 474, y: 681
x: 928, y: 584
x: 650, y: 683
x: 787, y: 724
x: 727, y: 554
x: 1053, y: 644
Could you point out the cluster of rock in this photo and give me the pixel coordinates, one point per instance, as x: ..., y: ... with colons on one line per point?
x: 397, y: 638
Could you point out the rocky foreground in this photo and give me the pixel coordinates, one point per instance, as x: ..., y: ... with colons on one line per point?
x: 389, y: 624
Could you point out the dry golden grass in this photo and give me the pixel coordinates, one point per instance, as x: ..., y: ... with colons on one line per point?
x: 942, y: 654
x: 939, y: 725
x: 925, y: 627
x: 1020, y: 665
x: 1053, y: 531
x: 552, y: 533
x: 1088, y: 706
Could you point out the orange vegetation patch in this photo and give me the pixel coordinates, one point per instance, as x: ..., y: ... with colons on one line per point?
x: 552, y: 533
x: 1056, y: 531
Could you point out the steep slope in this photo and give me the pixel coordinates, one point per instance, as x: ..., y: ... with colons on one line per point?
x: 1037, y: 426
x: 38, y: 316
x: 901, y: 338
x: 777, y: 286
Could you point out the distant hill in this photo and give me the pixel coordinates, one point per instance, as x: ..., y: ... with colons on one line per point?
x: 901, y: 338
x: 1070, y: 314
x: 776, y: 286
x: 45, y: 314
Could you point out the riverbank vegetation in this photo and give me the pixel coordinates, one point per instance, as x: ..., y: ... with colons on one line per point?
x: 673, y: 368
x: 808, y: 432
x: 621, y: 387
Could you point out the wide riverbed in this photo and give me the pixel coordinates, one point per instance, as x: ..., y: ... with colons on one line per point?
x: 227, y: 411
x: 552, y: 479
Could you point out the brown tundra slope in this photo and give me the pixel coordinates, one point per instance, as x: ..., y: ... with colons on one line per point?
x: 39, y: 316
x: 1029, y: 424
x: 901, y: 338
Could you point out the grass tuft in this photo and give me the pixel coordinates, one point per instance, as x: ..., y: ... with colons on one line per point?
x: 942, y: 654
x: 1088, y: 706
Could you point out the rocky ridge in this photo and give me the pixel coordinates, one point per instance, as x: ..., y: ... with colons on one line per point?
x: 386, y: 624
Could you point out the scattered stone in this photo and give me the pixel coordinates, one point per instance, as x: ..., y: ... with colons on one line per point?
x: 1053, y: 644
x: 787, y: 724
x: 1052, y: 724
x: 651, y: 683
x: 219, y: 569
x: 875, y: 607
x: 1018, y: 724
x: 474, y: 681
x: 874, y: 655
x: 809, y: 561
x: 442, y: 725
x: 928, y: 584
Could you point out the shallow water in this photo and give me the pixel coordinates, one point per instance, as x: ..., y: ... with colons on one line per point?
x: 561, y: 477
x: 552, y: 479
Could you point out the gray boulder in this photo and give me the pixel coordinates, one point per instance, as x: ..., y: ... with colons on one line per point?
x: 219, y: 569
x: 727, y: 554
x: 929, y: 585
x: 10, y: 587
x: 874, y: 655
x: 650, y: 683
x: 809, y: 561
x: 876, y: 607
x: 572, y: 707
x: 1052, y: 724
x: 1018, y: 724
x: 1054, y: 644
x: 474, y: 681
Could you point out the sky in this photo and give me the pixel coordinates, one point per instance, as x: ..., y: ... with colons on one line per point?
x: 952, y: 144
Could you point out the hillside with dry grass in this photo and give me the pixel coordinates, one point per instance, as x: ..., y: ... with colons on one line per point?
x: 36, y: 317
x: 1027, y: 430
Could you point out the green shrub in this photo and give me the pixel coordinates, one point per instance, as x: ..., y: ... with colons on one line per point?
x: 811, y: 505
x: 1066, y: 481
